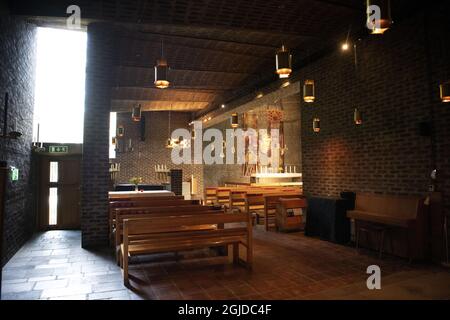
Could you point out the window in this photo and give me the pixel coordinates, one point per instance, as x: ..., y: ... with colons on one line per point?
x: 53, y: 171
x: 59, y: 88
x: 53, y: 207
x: 112, y: 134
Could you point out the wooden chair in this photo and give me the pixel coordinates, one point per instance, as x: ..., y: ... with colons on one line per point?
x: 210, y: 195
x: 223, y: 198
x: 237, y: 200
x: 270, y: 204
x: 254, y: 204
x: 174, y: 234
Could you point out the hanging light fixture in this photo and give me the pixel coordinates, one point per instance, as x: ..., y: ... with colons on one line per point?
x: 357, y: 117
x: 234, y: 120
x: 309, y: 91
x: 136, y: 114
x: 316, y: 125
x: 445, y: 91
x: 162, y: 71
x: 283, y: 62
x: 384, y: 22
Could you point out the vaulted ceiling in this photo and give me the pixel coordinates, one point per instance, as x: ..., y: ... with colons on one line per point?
x: 217, y: 50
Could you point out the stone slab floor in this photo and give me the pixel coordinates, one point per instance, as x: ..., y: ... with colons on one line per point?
x: 52, y: 265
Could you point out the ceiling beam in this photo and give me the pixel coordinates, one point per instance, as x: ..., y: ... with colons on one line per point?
x: 159, y: 99
x: 242, y: 43
x: 204, y: 89
x: 157, y: 44
x: 172, y: 67
x: 187, y: 70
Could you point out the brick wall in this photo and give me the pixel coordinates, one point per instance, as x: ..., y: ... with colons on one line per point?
x: 17, y: 74
x: 95, y: 167
x: 216, y: 174
x: 396, y: 89
x: 150, y: 152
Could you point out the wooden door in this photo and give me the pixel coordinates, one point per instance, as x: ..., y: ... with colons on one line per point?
x: 60, y: 192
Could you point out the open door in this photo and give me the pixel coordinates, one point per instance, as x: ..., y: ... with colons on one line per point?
x: 60, y: 192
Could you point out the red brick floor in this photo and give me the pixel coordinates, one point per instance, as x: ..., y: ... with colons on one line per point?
x: 286, y: 266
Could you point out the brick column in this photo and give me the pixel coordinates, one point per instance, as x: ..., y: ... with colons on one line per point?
x: 95, y: 170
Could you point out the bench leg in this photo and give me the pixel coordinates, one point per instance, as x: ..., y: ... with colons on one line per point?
x: 126, y: 280
x: 236, y: 253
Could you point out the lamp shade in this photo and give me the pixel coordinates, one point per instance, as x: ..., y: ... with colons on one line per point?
x: 309, y: 91
x: 445, y: 91
x: 234, y: 120
x: 283, y: 61
x: 316, y: 125
x: 162, y: 74
x: 384, y: 22
x: 136, y: 114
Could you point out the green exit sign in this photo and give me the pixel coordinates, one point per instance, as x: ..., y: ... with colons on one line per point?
x: 58, y: 149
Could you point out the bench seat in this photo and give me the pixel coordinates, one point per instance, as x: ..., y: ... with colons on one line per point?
x: 180, y: 244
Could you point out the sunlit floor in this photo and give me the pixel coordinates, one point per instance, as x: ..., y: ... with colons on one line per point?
x: 52, y: 265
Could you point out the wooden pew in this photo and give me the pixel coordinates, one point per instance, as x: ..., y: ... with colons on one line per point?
x: 138, y: 213
x: 174, y: 234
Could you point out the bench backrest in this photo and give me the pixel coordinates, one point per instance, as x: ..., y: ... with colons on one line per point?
x: 391, y: 205
x: 168, y: 223
x: 143, y: 210
x: 293, y: 203
x: 121, y: 217
x: 153, y: 203
x: 270, y: 201
x: 145, y: 198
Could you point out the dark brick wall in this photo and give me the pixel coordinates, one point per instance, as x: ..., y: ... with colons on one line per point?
x: 17, y: 74
x: 396, y: 89
x: 95, y: 169
x: 146, y: 154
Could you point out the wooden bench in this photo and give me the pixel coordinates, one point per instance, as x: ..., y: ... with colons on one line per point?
x: 169, y: 234
x: 140, y: 213
x: 405, y: 214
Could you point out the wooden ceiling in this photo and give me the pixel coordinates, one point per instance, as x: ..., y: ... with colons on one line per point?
x: 217, y: 50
